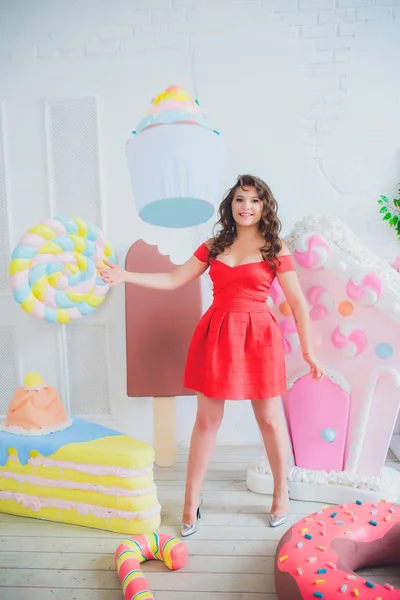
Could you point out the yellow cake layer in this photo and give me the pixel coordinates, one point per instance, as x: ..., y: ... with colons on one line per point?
x: 114, y: 451
x: 123, y: 526
x: 129, y: 483
x: 99, y: 499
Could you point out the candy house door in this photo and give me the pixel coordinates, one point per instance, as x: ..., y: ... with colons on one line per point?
x: 318, y: 415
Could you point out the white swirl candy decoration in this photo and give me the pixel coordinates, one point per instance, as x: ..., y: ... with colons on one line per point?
x: 312, y: 251
x: 321, y: 301
x: 53, y: 271
x: 349, y: 340
x: 290, y: 337
x: 365, y: 288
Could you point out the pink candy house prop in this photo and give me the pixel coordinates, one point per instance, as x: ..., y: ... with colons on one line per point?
x: 340, y: 428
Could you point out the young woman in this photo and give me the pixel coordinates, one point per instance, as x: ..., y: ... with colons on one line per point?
x: 236, y: 351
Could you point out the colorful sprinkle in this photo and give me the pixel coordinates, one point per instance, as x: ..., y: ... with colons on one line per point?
x: 339, y: 522
x: 359, y: 502
x: 354, y: 519
x: 322, y: 523
x: 391, y: 509
x: 320, y: 571
x: 322, y: 548
x: 300, y: 545
x: 369, y: 584
x: 348, y: 532
x: 319, y: 581
x: 343, y: 588
x: 374, y: 523
x: 333, y: 515
x: 304, y: 530
x: 351, y: 577
x: 300, y: 572
x: 318, y: 594
x: 388, y: 586
x: 348, y: 512
x: 373, y: 512
x: 324, y: 507
x: 308, y: 536
x: 331, y: 565
x: 282, y: 558
x: 374, y: 505
x: 388, y: 518
x: 309, y: 519
x: 312, y: 559
x: 356, y: 593
x: 323, y: 533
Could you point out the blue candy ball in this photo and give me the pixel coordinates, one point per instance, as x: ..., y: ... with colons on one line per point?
x: 384, y: 350
x: 328, y: 435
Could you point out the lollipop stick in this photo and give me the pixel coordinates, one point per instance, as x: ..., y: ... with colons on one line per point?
x: 164, y: 427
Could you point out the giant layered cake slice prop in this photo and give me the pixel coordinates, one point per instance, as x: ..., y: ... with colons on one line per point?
x: 175, y: 160
x: 71, y: 470
x: 340, y: 428
x: 159, y: 327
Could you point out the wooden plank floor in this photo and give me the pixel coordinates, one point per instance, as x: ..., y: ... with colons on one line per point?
x: 230, y: 558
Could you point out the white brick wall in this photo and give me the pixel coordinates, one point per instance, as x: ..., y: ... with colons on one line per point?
x: 325, y: 30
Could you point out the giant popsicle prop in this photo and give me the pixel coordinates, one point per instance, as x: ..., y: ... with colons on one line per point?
x: 159, y: 327
x: 175, y: 160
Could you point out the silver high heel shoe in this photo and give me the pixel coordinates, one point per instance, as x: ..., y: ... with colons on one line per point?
x: 191, y: 528
x: 275, y: 521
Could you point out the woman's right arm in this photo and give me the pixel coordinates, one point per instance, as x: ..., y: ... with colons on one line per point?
x: 191, y: 269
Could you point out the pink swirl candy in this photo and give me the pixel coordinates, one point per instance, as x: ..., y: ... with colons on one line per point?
x: 312, y: 251
x: 365, y: 288
x: 290, y: 337
x: 349, y: 340
x: 321, y: 301
x: 275, y: 294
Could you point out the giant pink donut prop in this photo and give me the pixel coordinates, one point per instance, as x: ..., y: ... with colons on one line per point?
x: 318, y: 556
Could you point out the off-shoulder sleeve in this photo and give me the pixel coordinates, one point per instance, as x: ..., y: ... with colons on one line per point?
x: 286, y: 263
x: 202, y: 253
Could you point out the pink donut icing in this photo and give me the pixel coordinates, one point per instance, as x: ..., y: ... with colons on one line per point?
x: 317, y: 557
x: 290, y: 337
x: 321, y: 301
x: 349, y: 340
x: 312, y: 251
x: 366, y: 289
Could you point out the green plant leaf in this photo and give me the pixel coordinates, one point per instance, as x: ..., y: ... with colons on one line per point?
x: 396, y: 202
x: 393, y: 220
x: 385, y: 198
x: 380, y: 201
x: 387, y: 216
x: 383, y: 209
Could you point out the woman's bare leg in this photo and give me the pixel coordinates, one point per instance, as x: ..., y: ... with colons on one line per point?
x: 208, y: 419
x: 274, y: 433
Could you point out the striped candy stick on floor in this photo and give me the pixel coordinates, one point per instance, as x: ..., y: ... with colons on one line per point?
x: 140, y: 548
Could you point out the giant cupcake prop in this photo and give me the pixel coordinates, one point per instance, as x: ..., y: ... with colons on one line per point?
x: 175, y: 160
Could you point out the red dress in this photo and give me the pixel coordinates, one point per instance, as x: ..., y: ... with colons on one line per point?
x: 236, y: 352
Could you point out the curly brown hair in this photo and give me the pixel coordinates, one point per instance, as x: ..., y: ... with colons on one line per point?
x: 269, y: 224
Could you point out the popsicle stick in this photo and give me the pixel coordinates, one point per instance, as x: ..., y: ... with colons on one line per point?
x: 164, y: 424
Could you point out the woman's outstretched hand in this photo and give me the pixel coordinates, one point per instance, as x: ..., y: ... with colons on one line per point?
x: 113, y: 275
x: 315, y: 367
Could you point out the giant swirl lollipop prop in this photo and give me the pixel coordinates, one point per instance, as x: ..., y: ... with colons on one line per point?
x: 53, y: 270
